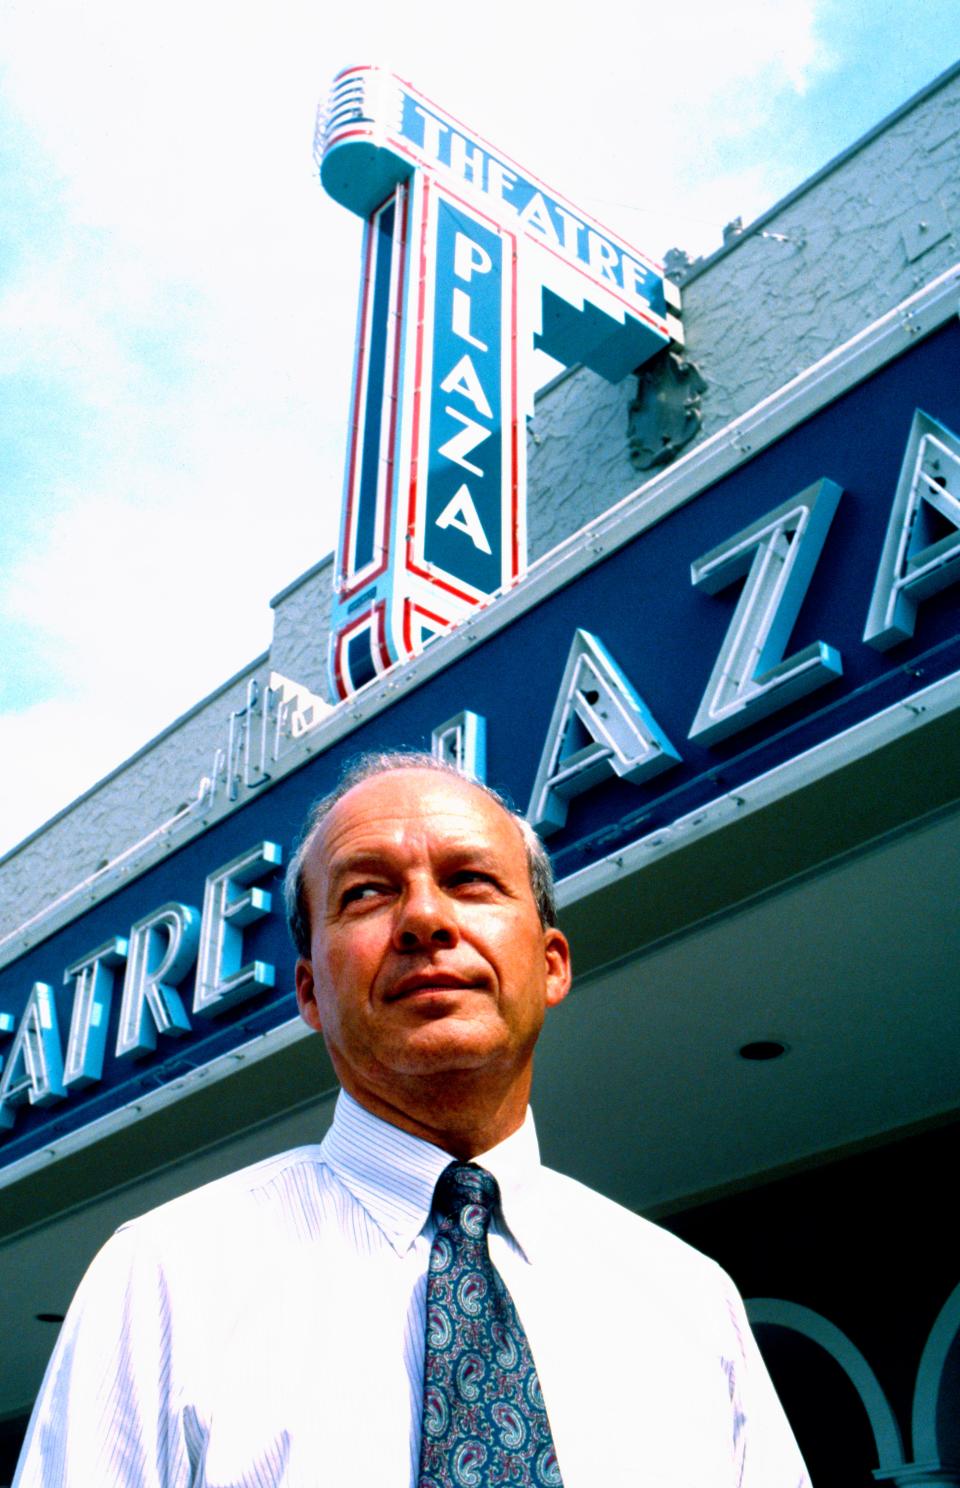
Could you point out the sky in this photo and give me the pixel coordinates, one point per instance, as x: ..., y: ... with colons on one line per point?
x: 177, y: 293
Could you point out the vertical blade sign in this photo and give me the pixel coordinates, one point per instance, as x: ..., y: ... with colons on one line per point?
x: 469, y: 263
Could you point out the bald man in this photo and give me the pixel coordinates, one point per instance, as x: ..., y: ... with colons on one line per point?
x: 416, y: 1302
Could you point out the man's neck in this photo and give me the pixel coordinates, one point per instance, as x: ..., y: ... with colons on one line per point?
x: 449, y: 1114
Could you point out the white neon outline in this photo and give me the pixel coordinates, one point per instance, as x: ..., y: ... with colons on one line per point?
x: 626, y: 739
x: 776, y: 556
x: 908, y: 573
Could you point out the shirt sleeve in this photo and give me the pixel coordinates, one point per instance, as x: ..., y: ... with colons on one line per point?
x: 106, y: 1412
x: 766, y: 1449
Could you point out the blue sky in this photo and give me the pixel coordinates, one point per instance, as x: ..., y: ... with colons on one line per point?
x: 177, y: 295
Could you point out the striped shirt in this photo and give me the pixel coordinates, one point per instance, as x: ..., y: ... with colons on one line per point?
x: 266, y: 1331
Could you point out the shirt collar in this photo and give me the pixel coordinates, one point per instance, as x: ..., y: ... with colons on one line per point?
x: 393, y: 1174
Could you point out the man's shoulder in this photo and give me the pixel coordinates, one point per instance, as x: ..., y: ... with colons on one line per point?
x: 619, y: 1235
x: 279, y: 1182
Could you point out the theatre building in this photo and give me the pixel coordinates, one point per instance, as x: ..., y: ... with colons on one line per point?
x: 724, y: 684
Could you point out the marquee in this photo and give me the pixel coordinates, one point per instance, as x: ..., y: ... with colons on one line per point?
x: 761, y: 604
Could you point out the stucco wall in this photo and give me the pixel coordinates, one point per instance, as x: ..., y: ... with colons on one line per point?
x: 121, y: 809
x: 301, y: 628
x: 756, y: 313
x: 151, y: 786
x: 761, y: 313
x: 761, y: 310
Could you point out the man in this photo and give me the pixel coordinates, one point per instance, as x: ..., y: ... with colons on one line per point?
x: 417, y: 1301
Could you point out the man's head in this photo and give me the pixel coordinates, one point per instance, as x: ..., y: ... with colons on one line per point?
x: 424, y: 957
x: 368, y: 767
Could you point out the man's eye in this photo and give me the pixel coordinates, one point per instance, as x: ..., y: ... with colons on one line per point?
x: 362, y: 891
x: 469, y: 876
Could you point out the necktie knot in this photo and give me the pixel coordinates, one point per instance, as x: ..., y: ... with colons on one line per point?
x: 464, y: 1186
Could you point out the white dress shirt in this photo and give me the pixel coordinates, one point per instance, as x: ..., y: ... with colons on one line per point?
x: 268, y: 1329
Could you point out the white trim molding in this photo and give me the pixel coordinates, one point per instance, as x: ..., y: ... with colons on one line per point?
x: 813, y: 1325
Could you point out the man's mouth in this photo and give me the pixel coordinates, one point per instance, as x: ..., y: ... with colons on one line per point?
x: 425, y: 983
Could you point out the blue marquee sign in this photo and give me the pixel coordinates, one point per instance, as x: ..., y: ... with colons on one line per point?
x: 808, y: 591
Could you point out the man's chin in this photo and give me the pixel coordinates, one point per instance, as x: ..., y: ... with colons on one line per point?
x: 447, y: 1045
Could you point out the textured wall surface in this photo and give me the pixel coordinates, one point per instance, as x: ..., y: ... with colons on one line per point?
x: 121, y: 810
x: 878, y: 224
x: 578, y: 463
x: 301, y: 628
x: 163, y: 776
x: 762, y: 310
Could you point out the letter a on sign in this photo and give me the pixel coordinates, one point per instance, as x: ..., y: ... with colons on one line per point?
x: 461, y: 513
x: 921, y: 553
x: 600, y: 726
x: 463, y: 379
x: 34, y: 1066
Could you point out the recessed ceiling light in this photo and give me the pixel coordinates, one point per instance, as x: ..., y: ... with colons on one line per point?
x: 763, y: 1049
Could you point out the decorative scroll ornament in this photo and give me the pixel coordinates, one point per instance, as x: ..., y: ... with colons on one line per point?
x: 665, y: 415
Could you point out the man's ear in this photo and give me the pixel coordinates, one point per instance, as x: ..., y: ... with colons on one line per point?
x: 556, y: 949
x: 306, y: 995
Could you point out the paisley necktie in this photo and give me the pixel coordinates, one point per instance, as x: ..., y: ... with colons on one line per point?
x: 484, y: 1420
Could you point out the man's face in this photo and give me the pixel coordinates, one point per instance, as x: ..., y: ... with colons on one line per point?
x: 427, y: 952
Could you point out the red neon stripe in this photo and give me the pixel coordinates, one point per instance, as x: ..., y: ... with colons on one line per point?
x: 476, y: 596
x: 371, y: 620
x: 411, y: 565
x: 357, y: 386
x: 338, y: 677
x: 472, y: 210
x: 514, y: 425
x: 429, y: 615
x: 409, y: 610
x: 344, y: 637
x: 402, y: 199
x: 381, y: 633
x: 339, y: 136
x: 418, y: 374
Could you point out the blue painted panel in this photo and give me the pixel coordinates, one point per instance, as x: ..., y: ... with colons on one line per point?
x: 477, y: 399
x: 587, y: 335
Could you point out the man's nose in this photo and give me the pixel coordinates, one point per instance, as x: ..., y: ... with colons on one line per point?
x: 425, y: 917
